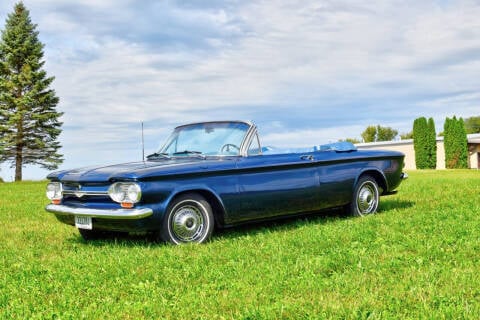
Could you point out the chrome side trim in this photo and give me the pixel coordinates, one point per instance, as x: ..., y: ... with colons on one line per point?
x: 123, y: 214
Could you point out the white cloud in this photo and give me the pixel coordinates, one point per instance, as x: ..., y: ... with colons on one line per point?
x: 305, y: 71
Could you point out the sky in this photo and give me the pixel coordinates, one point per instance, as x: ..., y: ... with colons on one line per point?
x: 306, y: 72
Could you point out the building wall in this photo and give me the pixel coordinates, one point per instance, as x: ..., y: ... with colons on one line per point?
x: 440, y: 155
x: 406, y: 146
x: 474, y: 157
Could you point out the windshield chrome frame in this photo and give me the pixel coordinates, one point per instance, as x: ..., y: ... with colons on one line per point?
x: 244, y: 145
x: 248, y: 139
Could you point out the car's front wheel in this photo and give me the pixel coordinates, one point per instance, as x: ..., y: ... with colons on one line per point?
x: 189, y: 219
x: 365, y: 197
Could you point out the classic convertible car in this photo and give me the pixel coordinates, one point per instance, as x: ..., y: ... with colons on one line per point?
x: 217, y: 174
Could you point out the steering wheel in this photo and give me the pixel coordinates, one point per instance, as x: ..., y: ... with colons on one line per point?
x: 226, y: 147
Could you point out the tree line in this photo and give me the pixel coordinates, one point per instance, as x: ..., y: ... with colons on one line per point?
x: 376, y: 133
x: 425, y: 140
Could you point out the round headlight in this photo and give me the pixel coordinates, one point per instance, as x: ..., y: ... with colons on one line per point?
x: 54, y: 191
x: 115, y: 192
x: 125, y: 192
x: 133, y: 193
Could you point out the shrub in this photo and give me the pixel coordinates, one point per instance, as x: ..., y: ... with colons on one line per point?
x: 432, y: 145
x: 456, y: 144
x: 424, y: 143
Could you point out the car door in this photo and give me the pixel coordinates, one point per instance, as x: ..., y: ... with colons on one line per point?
x: 275, y: 185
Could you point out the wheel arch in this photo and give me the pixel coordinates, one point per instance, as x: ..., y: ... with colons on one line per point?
x: 214, y: 201
x: 377, y: 175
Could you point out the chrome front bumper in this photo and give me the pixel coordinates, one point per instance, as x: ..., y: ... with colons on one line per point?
x: 125, y: 214
x: 404, y: 176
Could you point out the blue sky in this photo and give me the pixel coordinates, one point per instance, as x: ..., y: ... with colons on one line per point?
x: 307, y: 72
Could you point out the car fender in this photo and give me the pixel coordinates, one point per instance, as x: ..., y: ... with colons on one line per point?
x: 377, y: 174
x: 211, y: 196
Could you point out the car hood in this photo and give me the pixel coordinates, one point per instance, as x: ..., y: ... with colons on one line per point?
x: 142, y: 170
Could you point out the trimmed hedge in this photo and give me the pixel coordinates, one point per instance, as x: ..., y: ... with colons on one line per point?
x: 456, y: 144
x: 424, y: 143
x: 432, y: 145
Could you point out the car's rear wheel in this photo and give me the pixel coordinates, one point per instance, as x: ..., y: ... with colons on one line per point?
x: 189, y: 219
x: 365, y: 197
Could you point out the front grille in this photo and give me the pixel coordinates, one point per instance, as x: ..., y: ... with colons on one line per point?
x: 84, y: 191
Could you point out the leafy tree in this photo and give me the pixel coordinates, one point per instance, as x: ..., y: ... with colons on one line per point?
x: 29, y: 124
x: 351, y: 140
x: 455, y: 143
x: 472, y: 125
x: 369, y: 135
x: 386, y: 133
x: 406, y: 136
x: 378, y: 133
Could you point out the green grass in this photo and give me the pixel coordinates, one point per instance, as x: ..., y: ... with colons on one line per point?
x: 417, y: 258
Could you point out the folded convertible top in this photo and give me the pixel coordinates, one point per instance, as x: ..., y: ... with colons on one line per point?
x: 342, y: 146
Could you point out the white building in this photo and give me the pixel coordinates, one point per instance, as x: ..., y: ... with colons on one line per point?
x: 406, y: 146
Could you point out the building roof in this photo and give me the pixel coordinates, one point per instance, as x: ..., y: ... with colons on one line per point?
x: 473, y: 138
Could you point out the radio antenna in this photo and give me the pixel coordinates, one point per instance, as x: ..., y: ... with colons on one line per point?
x: 143, y: 146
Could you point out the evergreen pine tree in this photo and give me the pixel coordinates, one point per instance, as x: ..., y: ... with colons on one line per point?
x: 29, y: 122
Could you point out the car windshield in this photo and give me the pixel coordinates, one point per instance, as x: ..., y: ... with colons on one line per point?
x: 204, y: 139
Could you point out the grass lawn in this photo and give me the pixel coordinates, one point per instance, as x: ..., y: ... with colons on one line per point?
x: 419, y: 257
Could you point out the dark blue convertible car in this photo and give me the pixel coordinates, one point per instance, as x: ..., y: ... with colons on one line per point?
x: 217, y: 174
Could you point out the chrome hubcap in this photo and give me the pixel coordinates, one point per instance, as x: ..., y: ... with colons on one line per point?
x: 367, y: 198
x: 187, y: 223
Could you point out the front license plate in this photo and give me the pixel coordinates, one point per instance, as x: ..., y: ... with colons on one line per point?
x: 83, y: 222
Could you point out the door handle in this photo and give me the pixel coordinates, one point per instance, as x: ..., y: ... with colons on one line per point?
x: 307, y: 157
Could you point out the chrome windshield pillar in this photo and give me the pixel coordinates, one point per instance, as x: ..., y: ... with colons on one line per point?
x: 249, y: 136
